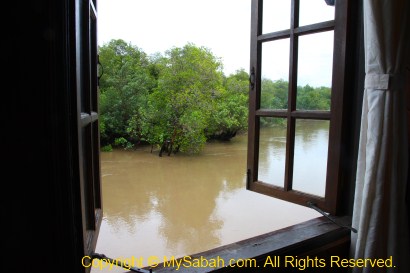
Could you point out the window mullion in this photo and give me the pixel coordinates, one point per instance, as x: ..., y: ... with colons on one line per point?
x: 294, y: 17
x: 293, y: 60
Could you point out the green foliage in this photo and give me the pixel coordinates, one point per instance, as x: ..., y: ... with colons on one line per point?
x: 310, y: 98
x: 182, y: 98
x: 192, y: 137
x: 107, y: 148
x: 230, y: 107
x: 274, y: 94
x: 179, y: 109
x: 122, y: 142
x: 124, y: 87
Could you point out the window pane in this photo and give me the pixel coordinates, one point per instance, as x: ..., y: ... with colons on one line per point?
x: 87, y: 176
x: 276, y: 15
x: 275, y: 74
x: 315, y: 71
x: 272, y: 151
x: 96, y: 165
x: 315, y: 11
x: 93, y: 64
x: 310, y: 161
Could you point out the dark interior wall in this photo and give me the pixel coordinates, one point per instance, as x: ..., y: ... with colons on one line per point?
x: 27, y: 130
x: 38, y: 181
x: 407, y: 88
x: 407, y: 91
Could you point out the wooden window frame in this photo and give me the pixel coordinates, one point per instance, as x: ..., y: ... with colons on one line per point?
x: 330, y: 201
x: 87, y: 126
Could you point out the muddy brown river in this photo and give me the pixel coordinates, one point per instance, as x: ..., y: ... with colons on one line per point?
x: 181, y: 204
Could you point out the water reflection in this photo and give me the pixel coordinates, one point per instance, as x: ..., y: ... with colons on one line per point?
x: 166, y: 188
x: 310, y: 158
x: 272, y: 153
x: 311, y: 145
x: 181, y: 205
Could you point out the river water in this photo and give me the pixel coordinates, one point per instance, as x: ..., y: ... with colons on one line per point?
x: 181, y: 204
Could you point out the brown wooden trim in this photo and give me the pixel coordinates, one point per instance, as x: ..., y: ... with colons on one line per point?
x: 333, y: 177
x: 302, y: 114
x: 303, y: 30
x: 292, y: 91
x: 335, y: 149
x: 274, y: 36
x: 313, y: 237
x: 290, y: 152
x: 87, y: 123
x: 271, y: 113
x: 315, y: 28
x: 293, y: 196
x: 254, y: 94
x: 311, y: 114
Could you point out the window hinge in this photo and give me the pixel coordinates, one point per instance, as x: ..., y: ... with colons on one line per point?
x: 313, y: 206
x: 100, y: 70
x: 252, y: 78
x: 119, y: 263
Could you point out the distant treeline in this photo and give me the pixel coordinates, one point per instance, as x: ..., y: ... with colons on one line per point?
x: 181, y: 98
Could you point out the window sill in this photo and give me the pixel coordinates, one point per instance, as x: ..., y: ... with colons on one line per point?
x: 313, y: 237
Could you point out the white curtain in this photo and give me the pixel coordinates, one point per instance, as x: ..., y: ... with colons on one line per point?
x: 379, y: 212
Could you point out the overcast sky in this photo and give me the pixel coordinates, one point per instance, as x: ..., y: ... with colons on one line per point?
x: 223, y: 26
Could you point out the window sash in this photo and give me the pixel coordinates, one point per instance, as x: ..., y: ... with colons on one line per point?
x: 88, y: 127
x: 333, y: 177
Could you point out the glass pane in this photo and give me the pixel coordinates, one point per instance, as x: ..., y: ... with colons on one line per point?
x: 310, y: 161
x: 276, y: 15
x: 87, y: 176
x: 275, y: 74
x: 315, y: 71
x: 84, y: 98
x: 96, y: 164
x: 315, y: 11
x: 93, y: 64
x: 272, y: 151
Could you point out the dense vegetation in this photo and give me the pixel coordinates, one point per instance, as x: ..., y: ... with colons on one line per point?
x: 180, y: 99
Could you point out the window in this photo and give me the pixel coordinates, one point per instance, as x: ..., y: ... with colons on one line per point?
x: 88, y: 130
x: 270, y: 41
x: 294, y: 113
x: 48, y: 217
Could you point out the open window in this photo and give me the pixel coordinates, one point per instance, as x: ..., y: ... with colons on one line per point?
x: 290, y: 47
x: 267, y: 41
